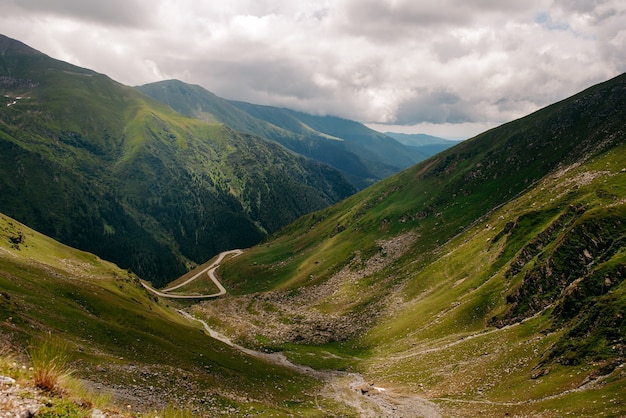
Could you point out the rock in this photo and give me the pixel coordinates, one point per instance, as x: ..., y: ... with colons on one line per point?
x: 5, y: 380
x: 18, y: 402
x: 537, y: 373
x: 365, y: 389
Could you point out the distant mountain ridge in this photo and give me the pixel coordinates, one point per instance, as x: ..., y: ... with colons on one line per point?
x: 363, y: 155
x: 426, y: 144
x: 104, y: 168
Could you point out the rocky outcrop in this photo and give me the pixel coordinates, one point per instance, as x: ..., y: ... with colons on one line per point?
x: 267, y: 319
x: 566, y: 263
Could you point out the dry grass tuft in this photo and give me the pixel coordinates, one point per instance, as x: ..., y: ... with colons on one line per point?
x: 49, y: 359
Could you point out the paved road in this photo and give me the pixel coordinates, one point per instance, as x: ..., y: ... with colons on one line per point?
x: 210, y: 271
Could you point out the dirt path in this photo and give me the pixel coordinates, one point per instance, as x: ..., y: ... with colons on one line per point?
x: 348, y: 388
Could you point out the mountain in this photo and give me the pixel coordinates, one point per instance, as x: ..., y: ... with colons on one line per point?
x: 102, y: 167
x: 488, y: 279
x: 364, y: 156
x: 197, y: 102
x: 426, y: 144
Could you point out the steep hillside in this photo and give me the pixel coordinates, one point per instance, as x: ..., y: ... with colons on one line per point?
x: 361, y: 154
x: 104, y: 168
x: 126, y: 343
x: 488, y: 279
x: 197, y: 102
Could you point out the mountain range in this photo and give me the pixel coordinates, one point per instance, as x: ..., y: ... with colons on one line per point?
x: 102, y: 167
x: 117, y: 170
x: 486, y: 280
x: 426, y: 144
x: 364, y: 156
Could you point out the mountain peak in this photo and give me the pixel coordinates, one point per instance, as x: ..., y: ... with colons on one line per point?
x: 11, y: 45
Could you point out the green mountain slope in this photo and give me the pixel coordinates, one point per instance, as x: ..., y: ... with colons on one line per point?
x: 197, y: 102
x: 104, y: 168
x: 125, y: 342
x: 489, y: 278
x: 361, y: 154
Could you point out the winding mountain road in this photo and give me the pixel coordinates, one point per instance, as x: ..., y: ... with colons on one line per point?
x: 343, y: 387
x: 210, y: 271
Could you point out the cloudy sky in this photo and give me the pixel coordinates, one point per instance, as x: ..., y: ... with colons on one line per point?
x: 452, y: 68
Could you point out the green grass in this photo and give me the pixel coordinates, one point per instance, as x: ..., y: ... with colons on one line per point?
x: 344, y: 356
x: 62, y: 408
x: 49, y: 359
x: 103, y: 316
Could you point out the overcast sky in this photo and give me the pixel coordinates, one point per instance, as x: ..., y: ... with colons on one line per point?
x: 448, y: 67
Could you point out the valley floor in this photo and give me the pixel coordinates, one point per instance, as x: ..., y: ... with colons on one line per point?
x: 346, y: 388
x: 350, y: 389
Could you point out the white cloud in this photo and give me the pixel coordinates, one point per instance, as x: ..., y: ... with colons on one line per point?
x: 449, y: 63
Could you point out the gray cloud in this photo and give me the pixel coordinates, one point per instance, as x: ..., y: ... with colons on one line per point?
x: 434, y: 106
x: 111, y: 12
x: 402, y: 61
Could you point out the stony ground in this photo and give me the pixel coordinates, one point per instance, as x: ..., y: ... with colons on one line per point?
x: 285, y: 316
x: 17, y: 401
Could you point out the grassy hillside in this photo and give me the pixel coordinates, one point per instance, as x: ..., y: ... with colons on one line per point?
x: 488, y: 278
x: 197, y: 102
x: 104, y: 168
x: 125, y: 342
x: 361, y: 154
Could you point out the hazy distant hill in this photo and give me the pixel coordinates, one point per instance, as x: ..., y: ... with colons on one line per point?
x: 426, y: 144
x: 364, y: 156
x: 490, y: 278
x: 102, y: 167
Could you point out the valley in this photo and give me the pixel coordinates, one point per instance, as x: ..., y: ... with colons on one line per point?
x: 486, y: 280
x: 343, y: 387
x: 513, y: 310
x: 128, y: 178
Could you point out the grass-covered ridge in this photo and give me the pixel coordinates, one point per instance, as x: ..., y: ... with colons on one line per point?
x: 489, y: 278
x: 104, y: 168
